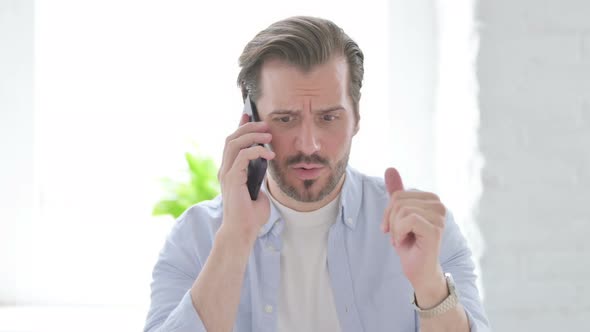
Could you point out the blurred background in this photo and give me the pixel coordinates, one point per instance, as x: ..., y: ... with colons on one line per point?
x: 486, y: 103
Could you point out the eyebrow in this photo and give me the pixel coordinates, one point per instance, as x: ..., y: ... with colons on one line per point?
x: 321, y: 111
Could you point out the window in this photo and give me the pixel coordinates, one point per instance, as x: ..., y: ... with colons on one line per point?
x: 123, y: 88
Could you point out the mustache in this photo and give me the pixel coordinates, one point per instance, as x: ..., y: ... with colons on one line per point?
x: 308, y: 159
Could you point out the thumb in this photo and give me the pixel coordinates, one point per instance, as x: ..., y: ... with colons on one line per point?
x: 393, y: 181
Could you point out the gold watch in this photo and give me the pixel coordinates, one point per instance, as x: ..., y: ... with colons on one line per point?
x: 447, y: 304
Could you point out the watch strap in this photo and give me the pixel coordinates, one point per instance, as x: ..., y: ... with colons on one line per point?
x: 447, y: 304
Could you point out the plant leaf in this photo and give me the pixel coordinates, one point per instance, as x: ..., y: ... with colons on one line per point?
x: 202, y: 185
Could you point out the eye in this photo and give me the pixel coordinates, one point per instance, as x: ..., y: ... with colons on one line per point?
x: 328, y: 117
x: 285, y: 119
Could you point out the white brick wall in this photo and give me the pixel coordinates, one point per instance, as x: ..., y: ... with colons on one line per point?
x: 534, y: 77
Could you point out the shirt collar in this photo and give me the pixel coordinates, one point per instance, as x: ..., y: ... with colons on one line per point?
x: 352, y: 194
x: 350, y: 203
x: 274, y: 216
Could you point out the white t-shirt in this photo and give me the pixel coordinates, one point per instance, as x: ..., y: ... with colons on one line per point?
x: 306, y: 302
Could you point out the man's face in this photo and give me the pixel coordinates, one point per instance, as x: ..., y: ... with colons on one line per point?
x: 312, y: 123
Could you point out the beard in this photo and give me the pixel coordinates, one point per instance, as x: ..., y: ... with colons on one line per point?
x: 278, y: 171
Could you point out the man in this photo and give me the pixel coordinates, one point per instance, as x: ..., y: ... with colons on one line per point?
x: 323, y: 247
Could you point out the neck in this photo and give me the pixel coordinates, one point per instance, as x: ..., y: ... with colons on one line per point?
x: 289, y: 202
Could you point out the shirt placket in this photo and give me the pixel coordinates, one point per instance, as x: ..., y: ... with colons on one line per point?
x: 341, y: 278
x: 270, y: 255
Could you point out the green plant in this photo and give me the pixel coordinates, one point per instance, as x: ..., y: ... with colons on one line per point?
x: 202, y: 185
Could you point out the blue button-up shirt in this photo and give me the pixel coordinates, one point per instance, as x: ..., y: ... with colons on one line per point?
x: 371, y: 293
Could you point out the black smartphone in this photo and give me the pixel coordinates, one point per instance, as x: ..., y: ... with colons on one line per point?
x: 257, y: 167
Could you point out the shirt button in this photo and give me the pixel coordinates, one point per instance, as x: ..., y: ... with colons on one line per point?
x: 268, y: 308
x: 349, y: 221
x: 270, y: 247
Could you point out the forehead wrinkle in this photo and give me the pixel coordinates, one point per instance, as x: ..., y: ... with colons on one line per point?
x: 308, y: 92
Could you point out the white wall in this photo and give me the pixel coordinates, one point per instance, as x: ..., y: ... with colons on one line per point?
x: 534, y: 76
x: 16, y: 143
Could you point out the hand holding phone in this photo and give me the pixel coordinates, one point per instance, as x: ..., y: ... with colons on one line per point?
x: 242, y: 170
x: 256, y: 167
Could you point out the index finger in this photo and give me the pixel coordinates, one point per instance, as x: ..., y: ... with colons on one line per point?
x: 248, y: 127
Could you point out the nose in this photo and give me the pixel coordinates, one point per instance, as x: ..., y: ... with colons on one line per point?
x: 307, y: 141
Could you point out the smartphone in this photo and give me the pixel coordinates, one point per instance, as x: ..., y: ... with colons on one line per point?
x: 257, y: 167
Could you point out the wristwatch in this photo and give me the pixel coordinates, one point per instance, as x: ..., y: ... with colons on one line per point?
x: 447, y: 304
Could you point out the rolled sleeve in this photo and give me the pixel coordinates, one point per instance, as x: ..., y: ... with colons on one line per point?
x: 456, y: 258
x: 177, y: 268
x: 183, y: 318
